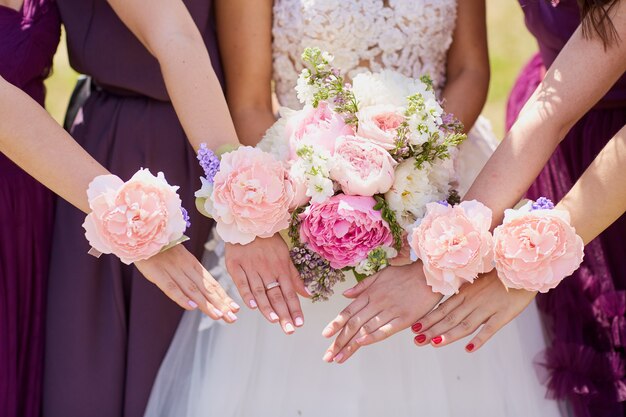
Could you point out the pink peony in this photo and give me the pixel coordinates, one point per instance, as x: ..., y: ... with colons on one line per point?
x: 252, y: 194
x: 454, y: 244
x: 379, y: 124
x: 317, y: 127
x: 361, y: 167
x: 536, y: 249
x: 133, y: 220
x: 344, y: 229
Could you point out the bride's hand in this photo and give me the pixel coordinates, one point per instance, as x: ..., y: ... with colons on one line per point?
x: 485, y: 301
x: 384, y: 304
x: 183, y: 279
x: 262, y: 262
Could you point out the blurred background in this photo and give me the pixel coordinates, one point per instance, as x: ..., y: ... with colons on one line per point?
x: 510, y: 46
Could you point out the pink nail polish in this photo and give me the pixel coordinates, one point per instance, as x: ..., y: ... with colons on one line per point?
x: 252, y: 304
x: 218, y: 313
x: 338, y: 358
x: 231, y: 316
x: 273, y: 316
x: 192, y: 304
x: 235, y: 305
x: 299, y: 321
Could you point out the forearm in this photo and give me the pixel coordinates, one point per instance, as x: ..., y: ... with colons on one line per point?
x: 465, y: 95
x: 252, y: 123
x: 35, y: 142
x: 599, y: 197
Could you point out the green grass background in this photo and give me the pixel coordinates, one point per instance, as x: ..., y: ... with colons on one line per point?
x: 510, y: 46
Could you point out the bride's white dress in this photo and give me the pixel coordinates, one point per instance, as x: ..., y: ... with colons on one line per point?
x: 252, y: 369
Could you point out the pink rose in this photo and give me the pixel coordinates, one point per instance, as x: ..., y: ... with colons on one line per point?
x: 133, y: 220
x: 454, y: 244
x: 252, y: 194
x: 344, y: 229
x: 379, y: 124
x: 361, y: 167
x: 317, y: 127
x: 536, y: 249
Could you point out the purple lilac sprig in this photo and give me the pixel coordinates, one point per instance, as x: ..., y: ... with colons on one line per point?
x: 209, y: 162
x: 318, y: 276
x: 186, y: 217
x: 542, y: 203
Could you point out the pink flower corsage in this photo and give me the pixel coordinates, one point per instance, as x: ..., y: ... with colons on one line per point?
x: 536, y: 247
x: 134, y: 220
x: 454, y: 244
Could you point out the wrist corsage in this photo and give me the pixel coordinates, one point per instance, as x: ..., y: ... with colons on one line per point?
x: 134, y: 220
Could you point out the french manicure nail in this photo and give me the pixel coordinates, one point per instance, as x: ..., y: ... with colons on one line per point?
x: 235, y: 305
x: 469, y: 347
x: 420, y: 338
x: 289, y: 328
x: 231, y: 316
x: 273, y: 316
x: 327, y: 357
x: 218, y: 313
x: 338, y: 357
x: 437, y: 340
x: 252, y: 304
x: 299, y: 321
x: 192, y: 304
x: 416, y: 327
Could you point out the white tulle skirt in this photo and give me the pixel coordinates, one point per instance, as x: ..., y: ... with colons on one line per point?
x: 252, y: 369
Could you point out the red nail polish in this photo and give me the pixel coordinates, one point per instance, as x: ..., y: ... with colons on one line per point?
x: 420, y: 338
x: 469, y: 347
x: 437, y: 340
x: 416, y: 327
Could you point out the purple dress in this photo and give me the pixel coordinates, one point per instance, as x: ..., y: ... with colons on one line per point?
x: 584, y: 315
x: 108, y: 328
x: 28, y: 40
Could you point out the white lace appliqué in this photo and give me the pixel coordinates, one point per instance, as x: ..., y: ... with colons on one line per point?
x: 408, y: 36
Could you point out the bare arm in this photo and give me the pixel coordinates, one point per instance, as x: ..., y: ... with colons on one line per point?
x: 599, y: 196
x: 35, y: 142
x: 245, y: 37
x: 468, y: 64
x: 582, y: 74
x: 167, y: 30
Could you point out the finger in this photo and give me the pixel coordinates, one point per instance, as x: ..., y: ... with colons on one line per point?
x: 438, y: 314
x: 171, y: 289
x: 382, y: 333
x: 297, y: 282
x: 241, y: 281
x: 338, y: 322
x: 466, y: 327
x: 359, y: 287
x: 352, y: 327
x: 206, y: 289
x: 275, y: 295
x: 453, y: 318
x: 258, y: 291
x: 374, y: 324
x: 293, y: 301
x: 491, y: 327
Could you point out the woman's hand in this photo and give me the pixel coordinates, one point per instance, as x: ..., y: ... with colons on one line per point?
x: 183, y: 279
x: 384, y: 304
x: 485, y: 301
x: 263, y: 263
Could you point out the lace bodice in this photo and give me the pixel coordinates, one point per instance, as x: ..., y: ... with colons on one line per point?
x: 408, y: 36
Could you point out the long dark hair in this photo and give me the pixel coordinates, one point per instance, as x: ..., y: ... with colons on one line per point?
x: 596, y: 20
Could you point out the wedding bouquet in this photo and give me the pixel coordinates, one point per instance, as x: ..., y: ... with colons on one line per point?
x: 346, y: 177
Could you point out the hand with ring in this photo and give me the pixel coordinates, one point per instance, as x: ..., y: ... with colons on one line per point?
x: 267, y: 279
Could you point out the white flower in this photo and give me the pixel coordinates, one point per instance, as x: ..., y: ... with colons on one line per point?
x: 204, y: 195
x: 413, y: 188
x: 304, y: 89
x: 320, y: 188
x: 385, y: 87
x: 275, y: 141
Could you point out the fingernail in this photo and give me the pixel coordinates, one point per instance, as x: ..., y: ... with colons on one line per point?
x: 361, y: 339
x: 252, y: 304
x: 235, y: 305
x: 469, y: 347
x: 273, y: 316
x: 437, y: 340
x: 218, y: 313
x: 192, y: 304
x: 416, y: 327
x: 420, y: 338
x: 231, y: 316
x: 327, y: 357
x: 327, y: 332
x: 289, y: 328
x: 338, y: 358
x: 299, y: 321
